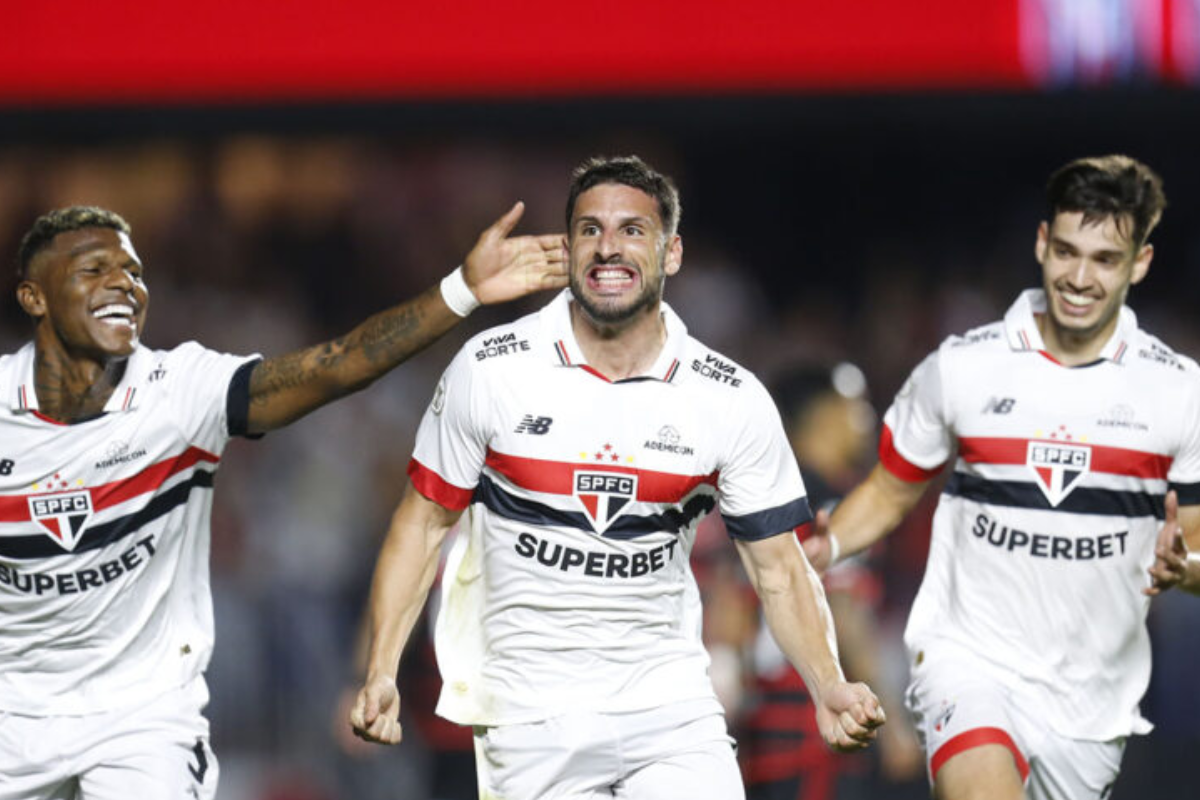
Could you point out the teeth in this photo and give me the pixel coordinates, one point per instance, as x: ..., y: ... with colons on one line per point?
x: 610, y: 275
x: 1077, y: 299
x: 113, y: 310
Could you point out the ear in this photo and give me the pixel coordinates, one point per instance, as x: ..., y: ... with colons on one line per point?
x: 32, y: 301
x: 1141, y: 264
x: 674, y: 258
x: 1042, y: 247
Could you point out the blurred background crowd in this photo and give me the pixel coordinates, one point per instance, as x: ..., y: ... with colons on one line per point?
x: 820, y: 229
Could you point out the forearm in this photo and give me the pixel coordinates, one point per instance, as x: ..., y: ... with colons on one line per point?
x: 286, y: 388
x: 404, y: 573
x: 872, y: 510
x: 798, y: 616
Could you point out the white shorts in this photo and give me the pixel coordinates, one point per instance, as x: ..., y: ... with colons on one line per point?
x: 677, y: 751
x: 959, y: 701
x: 156, y: 750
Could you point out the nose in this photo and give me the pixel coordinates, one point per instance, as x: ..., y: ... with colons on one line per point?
x: 1079, y: 275
x: 124, y: 280
x: 607, y: 246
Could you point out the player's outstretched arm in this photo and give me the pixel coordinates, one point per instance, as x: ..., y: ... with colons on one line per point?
x: 866, y: 515
x: 794, y: 606
x: 499, y: 268
x: 404, y: 572
x: 1176, y: 562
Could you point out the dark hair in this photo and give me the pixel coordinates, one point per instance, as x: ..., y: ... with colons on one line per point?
x: 1109, y: 186
x: 627, y: 171
x: 63, y: 220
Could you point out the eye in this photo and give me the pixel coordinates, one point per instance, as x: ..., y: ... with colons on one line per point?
x: 589, y: 230
x: 1062, y: 252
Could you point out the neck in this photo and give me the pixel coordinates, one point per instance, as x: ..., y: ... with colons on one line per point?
x: 623, y: 350
x: 1071, y: 348
x: 73, y: 389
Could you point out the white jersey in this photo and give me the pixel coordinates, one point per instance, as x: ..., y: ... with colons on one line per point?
x: 1044, y: 533
x: 104, y: 533
x: 570, y: 587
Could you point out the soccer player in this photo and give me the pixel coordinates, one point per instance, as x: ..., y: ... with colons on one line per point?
x: 107, y: 455
x: 586, y: 442
x: 1073, y: 433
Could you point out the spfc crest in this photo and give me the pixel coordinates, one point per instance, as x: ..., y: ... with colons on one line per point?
x: 1059, y: 467
x: 62, y: 515
x: 604, y: 495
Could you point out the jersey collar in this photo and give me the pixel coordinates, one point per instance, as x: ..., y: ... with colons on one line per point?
x: 1022, y: 331
x: 125, y: 397
x: 556, y: 322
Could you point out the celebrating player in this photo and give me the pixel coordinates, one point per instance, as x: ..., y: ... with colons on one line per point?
x: 1075, y: 431
x: 586, y: 442
x: 107, y: 455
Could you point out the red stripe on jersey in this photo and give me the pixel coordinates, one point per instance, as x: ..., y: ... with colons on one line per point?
x: 15, y: 508
x: 1112, y: 460
x: 434, y: 487
x: 149, y: 479
x: 1046, y: 355
x: 44, y: 418
x: 900, y: 466
x: 557, y: 477
x: 593, y: 371
x: 977, y: 737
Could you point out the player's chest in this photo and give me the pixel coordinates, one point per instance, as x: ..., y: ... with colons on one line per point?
x: 580, y: 419
x: 38, y: 456
x: 1068, y: 430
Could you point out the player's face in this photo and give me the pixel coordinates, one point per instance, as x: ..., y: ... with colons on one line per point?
x: 86, y: 286
x: 1087, y: 270
x: 618, y: 253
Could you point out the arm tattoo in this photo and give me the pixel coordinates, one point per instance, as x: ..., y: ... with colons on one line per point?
x: 312, y: 377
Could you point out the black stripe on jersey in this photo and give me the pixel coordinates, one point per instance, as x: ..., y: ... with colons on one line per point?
x: 771, y: 522
x: 237, y: 401
x: 1189, y: 493
x: 97, y: 536
x: 626, y: 526
x: 1083, y: 500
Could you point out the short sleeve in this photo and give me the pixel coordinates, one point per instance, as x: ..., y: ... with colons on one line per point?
x: 916, y: 440
x: 200, y: 382
x: 451, y: 443
x: 1184, y: 474
x: 761, y: 491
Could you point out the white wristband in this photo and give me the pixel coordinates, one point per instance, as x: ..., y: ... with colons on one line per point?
x: 835, y: 549
x: 457, y: 294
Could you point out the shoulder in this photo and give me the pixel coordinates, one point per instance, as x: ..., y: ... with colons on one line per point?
x: 513, y: 340
x: 500, y: 350
x: 1149, y: 353
x: 710, y: 371
x: 983, y: 339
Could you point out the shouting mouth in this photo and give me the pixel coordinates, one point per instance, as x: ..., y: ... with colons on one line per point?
x: 611, y: 278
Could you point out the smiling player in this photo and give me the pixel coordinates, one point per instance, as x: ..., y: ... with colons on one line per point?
x: 1070, y: 424
x: 107, y: 455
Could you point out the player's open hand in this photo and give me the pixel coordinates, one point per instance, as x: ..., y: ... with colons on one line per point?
x: 1170, y: 552
x: 502, y: 267
x: 376, y: 712
x: 817, y: 547
x: 849, y: 716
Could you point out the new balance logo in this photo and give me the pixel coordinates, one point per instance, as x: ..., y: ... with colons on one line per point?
x: 999, y: 405
x: 532, y: 424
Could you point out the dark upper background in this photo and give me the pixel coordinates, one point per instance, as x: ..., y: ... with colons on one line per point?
x: 857, y: 183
